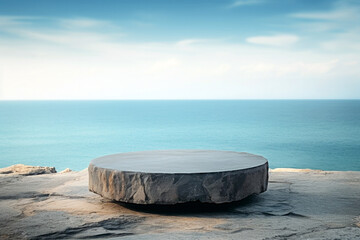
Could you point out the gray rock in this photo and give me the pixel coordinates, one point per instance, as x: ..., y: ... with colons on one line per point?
x: 67, y: 170
x: 298, y: 204
x: 178, y: 176
x: 22, y: 169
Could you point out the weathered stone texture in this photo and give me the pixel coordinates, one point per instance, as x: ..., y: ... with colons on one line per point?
x: 297, y: 205
x: 22, y: 169
x: 172, y: 188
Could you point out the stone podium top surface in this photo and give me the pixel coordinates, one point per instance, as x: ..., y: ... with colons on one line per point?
x: 179, y: 161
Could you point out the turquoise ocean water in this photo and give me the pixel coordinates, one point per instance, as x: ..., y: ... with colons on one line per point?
x: 317, y: 134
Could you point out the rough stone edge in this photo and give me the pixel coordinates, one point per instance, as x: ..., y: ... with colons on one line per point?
x: 135, y: 187
x: 27, y: 170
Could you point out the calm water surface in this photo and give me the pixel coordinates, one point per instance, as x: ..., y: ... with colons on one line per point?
x: 317, y: 134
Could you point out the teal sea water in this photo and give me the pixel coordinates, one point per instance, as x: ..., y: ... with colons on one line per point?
x: 317, y: 134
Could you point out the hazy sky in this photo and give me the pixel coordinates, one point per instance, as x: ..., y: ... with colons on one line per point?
x: 179, y: 49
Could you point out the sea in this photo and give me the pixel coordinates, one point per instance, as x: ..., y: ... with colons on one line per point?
x: 315, y: 134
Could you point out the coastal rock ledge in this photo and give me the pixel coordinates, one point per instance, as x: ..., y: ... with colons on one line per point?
x: 22, y: 169
x: 297, y: 205
x: 178, y: 176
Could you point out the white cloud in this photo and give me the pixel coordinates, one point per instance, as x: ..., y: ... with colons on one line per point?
x: 276, y: 40
x: 60, y: 37
x: 164, y: 65
x: 83, y: 23
x: 332, y: 15
x: 334, y: 30
x: 240, y: 3
x: 196, y: 41
x: 15, y: 21
x: 342, y: 10
x: 348, y: 41
x: 187, y: 42
x: 66, y: 31
x: 66, y: 64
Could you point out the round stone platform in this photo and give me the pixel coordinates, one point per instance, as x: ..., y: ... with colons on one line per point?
x: 178, y: 176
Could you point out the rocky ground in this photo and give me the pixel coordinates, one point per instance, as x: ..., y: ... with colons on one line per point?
x: 299, y: 204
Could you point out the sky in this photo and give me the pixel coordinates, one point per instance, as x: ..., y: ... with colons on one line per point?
x: 179, y: 49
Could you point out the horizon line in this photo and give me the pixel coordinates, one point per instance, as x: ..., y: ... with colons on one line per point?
x: 204, y: 99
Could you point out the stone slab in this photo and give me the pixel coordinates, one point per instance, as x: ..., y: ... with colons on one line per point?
x: 178, y: 176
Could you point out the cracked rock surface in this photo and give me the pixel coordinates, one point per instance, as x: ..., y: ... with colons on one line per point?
x: 299, y: 204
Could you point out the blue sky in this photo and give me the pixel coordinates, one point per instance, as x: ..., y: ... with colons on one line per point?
x: 238, y: 49
x: 171, y: 20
